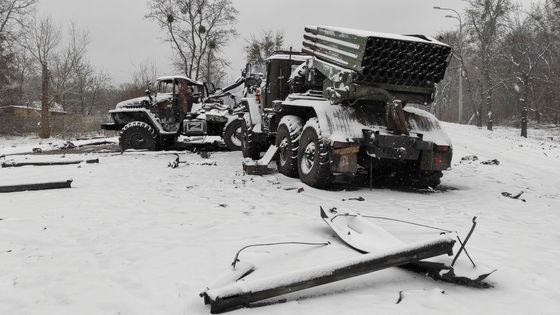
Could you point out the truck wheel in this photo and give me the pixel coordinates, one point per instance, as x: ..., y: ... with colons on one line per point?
x: 249, y: 146
x: 138, y: 135
x: 232, y: 135
x: 287, y: 141
x: 314, y: 156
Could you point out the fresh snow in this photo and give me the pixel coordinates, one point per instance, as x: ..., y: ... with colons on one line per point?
x: 133, y: 236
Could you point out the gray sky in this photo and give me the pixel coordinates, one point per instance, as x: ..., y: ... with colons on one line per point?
x: 121, y: 38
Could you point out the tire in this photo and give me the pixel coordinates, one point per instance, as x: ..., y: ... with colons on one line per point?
x: 232, y: 135
x: 313, y: 159
x: 138, y: 135
x: 287, y: 141
x: 250, y: 148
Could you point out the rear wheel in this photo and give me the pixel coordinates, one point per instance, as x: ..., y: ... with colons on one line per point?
x: 232, y: 135
x: 138, y: 135
x: 287, y: 141
x: 314, y: 156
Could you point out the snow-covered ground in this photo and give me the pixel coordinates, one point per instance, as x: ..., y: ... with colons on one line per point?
x: 136, y: 237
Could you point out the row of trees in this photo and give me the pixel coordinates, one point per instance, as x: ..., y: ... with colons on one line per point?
x: 38, y: 60
x: 510, y: 57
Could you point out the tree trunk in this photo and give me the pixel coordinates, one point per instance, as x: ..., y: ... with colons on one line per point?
x: 524, y: 120
x: 524, y: 112
x: 45, y: 131
x: 490, y: 122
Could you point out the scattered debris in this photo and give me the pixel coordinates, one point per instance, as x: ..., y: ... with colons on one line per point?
x: 37, y: 150
x: 357, y: 199
x: 300, y: 190
x: 512, y: 196
x: 490, y: 162
x: 205, y: 154
x: 176, y: 162
x: 53, y: 163
x: 67, y: 146
x: 243, y: 294
x: 469, y: 158
x: 204, y: 163
x: 290, y: 188
x: 38, y: 186
x: 89, y: 138
x: 366, y: 237
x: 222, y: 205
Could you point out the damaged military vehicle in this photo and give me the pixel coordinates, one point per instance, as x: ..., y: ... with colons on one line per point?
x: 350, y: 104
x: 179, y: 106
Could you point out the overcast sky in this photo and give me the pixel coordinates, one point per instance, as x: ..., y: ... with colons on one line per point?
x: 121, y: 38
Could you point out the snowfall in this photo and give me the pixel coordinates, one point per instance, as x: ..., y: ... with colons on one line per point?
x: 134, y: 236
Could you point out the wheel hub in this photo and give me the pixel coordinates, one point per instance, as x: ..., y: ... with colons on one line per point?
x: 308, y: 158
x: 283, y: 151
x: 237, y: 137
x: 137, y: 141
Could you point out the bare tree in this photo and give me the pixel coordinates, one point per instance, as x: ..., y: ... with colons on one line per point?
x: 70, y: 63
x: 196, y: 28
x: 41, y: 41
x: 12, y: 15
x: 486, y: 20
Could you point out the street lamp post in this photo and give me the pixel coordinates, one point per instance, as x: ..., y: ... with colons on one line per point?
x: 458, y: 18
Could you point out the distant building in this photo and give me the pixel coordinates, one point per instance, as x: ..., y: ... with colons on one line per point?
x: 31, y: 110
x: 15, y: 119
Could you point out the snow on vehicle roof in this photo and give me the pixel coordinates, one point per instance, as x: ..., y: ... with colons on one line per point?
x: 364, y: 33
x: 295, y: 57
x: 171, y: 77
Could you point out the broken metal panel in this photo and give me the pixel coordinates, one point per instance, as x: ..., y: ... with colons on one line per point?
x: 367, y: 237
x: 245, y: 292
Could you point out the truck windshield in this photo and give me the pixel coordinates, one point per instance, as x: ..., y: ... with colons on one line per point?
x: 166, y: 87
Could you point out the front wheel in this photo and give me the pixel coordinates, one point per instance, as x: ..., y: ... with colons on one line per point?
x: 232, y: 135
x: 314, y: 156
x: 287, y: 141
x: 138, y: 135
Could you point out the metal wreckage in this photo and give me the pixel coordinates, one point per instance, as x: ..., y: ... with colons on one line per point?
x: 343, y: 106
x: 178, y: 106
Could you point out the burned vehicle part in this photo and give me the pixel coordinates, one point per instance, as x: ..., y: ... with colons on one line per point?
x: 345, y: 107
x: 179, y: 106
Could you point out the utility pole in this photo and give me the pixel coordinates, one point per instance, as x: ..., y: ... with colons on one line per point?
x: 460, y: 44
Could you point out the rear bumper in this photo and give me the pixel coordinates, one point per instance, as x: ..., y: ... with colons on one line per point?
x: 400, y: 148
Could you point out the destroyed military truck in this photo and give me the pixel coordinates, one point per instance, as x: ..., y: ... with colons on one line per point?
x: 348, y: 107
x: 179, y: 106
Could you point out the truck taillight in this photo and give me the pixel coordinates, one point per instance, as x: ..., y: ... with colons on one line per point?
x: 442, y: 148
